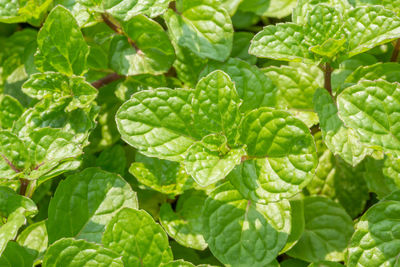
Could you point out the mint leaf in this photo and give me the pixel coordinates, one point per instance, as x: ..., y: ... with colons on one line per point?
x: 281, y: 153
x: 10, y: 111
x: 369, y: 245
x: 296, y: 85
x: 210, y: 160
x: 14, y: 157
x: 61, y: 44
x: 216, y: 105
x: 387, y: 71
x: 93, y: 197
x: 158, y: 122
x: 328, y: 229
x: 230, y: 221
x: 284, y: 41
x: 145, y: 244
x: 148, y: 49
x: 251, y: 85
x: 76, y: 253
x: 125, y: 9
x: 184, y: 224
x: 367, y: 27
x: 57, y: 85
x: 15, y: 255
x: 164, y: 176
x: 190, y: 27
x: 14, y: 210
x: 34, y: 239
x: 341, y: 140
x: 375, y: 120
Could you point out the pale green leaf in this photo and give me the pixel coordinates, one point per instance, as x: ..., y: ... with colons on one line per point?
x: 10, y: 111
x: 372, y: 109
x: 210, y: 160
x: 34, y: 239
x: 148, y: 49
x: 241, y: 232
x: 191, y: 28
x: 126, y: 9
x: 61, y: 44
x: 299, y: 14
x: 14, y: 209
x: 296, y: 86
x: 158, y: 123
x: 341, y: 140
x: 253, y: 87
x: 184, y: 224
x: 376, y: 239
x: 55, y: 85
x: 85, y: 202
x: 283, y: 41
x: 370, y: 26
x: 164, y: 176
x: 280, y: 8
x: 76, y: 253
x: 14, y: 157
x: 281, y: 156
x: 328, y: 229
x: 388, y: 71
x: 216, y: 105
x: 138, y: 238
x: 178, y: 263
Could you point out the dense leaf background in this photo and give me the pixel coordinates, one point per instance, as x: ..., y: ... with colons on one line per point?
x: 199, y: 133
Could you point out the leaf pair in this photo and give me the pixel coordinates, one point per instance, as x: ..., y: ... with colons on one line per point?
x: 326, y: 33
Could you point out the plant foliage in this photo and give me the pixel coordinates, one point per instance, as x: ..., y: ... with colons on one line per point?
x: 199, y: 133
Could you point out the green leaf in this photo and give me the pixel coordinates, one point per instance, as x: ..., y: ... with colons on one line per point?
x: 253, y: 87
x: 376, y: 240
x: 372, y: 109
x: 76, y: 253
x: 47, y: 113
x: 241, y: 232
x: 164, y: 176
x: 216, y: 105
x: 256, y: 6
x: 297, y: 223
x: 49, y: 147
x: 14, y: 209
x: 56, y: 85
x: 370, y: 26
x: 184, y: 224
x: 283, y: 41
x: 323, y: 23
x: 280, y: 8
x: 388, y: 71
x: 240, y: 48
x: 281, y: 156
x: 14, y: 157
x: 210, y: 160
x: 178, y: 263
x: 382, y: 176
x: 10, y: 111
x: 61, y: 44
x: 138, y: 238
x: 296, y: 86
x: 126, y: 9
x: 393, y: 5
x: 145, y: 49
x: 328, y: 229
x: 158, y: 123
x: 336, y: 179
x: 15, y: 255
x: 112, y: 159
x: 190, y: 28
x: 325, y: 264
x: 34, y: 239
x: 341, y: 140
x: 304, y: 6
x: 90, y: 199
